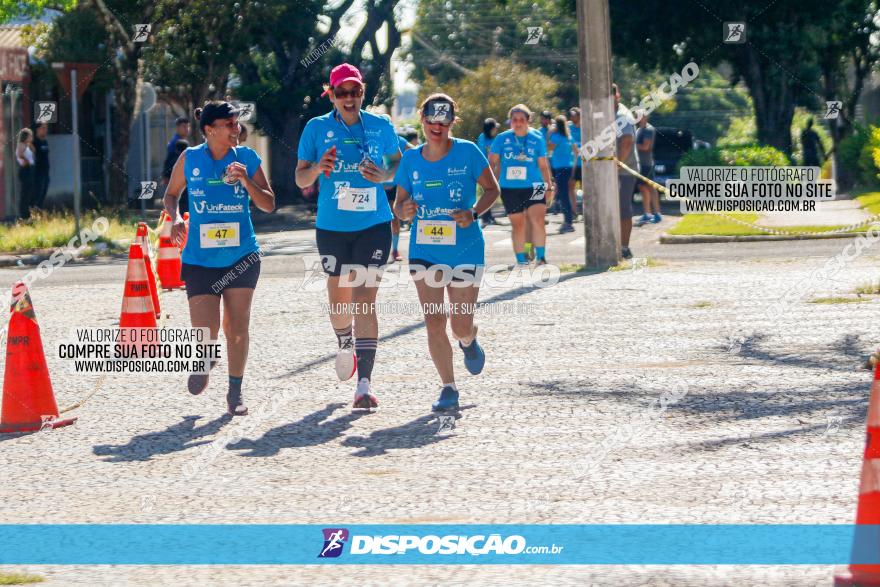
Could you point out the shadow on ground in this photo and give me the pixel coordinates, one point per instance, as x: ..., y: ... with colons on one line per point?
x: 311, y: 430
x: 817, y: 409
x: 177, y: 437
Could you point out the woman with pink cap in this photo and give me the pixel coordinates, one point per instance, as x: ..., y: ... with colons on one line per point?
x: 344, y: 151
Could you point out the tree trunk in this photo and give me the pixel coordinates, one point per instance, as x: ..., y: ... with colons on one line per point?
x: 123, y: 114
x: 774, y: 102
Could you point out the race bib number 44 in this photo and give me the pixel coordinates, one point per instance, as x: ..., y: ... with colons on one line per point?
x: 436, y: 232
x: 516, y: 172
x: 219, y: 235
x: 357, y: 199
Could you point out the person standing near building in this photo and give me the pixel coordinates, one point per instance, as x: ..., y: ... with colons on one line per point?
x: 24, y: 157
x: 41, y: 167
x: 181, y: 132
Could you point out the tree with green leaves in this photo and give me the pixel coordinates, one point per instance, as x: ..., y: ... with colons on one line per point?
x: 451, y: 38
x: 489, y: 93
x: 779, y: 60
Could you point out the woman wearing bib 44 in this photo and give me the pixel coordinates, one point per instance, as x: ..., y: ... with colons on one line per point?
x: 221, y: 259
x: 519, y: 159
x: 343, y: 150
x: 437, y: 190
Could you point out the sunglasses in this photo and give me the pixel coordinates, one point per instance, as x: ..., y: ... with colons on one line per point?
x: 354, y: 93
x: 443, y: 124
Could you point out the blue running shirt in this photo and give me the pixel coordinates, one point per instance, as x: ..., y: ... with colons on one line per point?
x: 347, y: 201
x: 220, y: 227
x: 439, y: 188
x: 519, y: 158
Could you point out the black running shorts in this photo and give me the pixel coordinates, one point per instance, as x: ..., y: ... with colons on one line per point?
x: 370, y: 247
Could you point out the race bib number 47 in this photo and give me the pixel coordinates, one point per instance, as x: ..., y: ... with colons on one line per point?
x: 220, y: 235
x: 436, y: 232
x: 357, y: 199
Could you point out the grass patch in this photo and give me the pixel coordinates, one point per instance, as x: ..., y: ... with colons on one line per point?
x: 635, y: 264
x: 838, y: 300
x: 19, y: 578
x: 702, y: 304
x: 717, y: 225
x: 49, y: 230
x: 871, y: 288
x: 870, y: 202
x: 571, y: 267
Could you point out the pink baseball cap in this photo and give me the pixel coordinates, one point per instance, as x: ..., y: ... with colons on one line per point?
x: 344, y: 73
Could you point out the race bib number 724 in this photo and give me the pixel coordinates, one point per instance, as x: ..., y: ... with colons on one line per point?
x: 357, y: 199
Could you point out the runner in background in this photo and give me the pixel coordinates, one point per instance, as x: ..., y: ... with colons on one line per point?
x: 519, y: 159
x: 221, y: 260
x: 437, y: 189
x: 574, y: 131
x: 390, y: 191
x: 560, y: 148
x: 484, y: 142
x: 546, y: 124
x: 344, y: 150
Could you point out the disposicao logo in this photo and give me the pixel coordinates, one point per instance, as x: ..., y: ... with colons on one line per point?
x: 334, y: 540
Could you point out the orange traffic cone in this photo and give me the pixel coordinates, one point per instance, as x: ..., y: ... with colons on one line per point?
x: 28, y: 402
x: 137, y: 314
x: 168, y: 263
x: 868, y: 509
x: 142, y: 239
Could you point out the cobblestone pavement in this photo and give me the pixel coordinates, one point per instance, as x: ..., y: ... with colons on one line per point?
x: 768, y: 428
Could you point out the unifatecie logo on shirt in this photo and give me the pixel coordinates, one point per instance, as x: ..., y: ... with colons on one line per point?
x: 206, y: 208
x: 342, y: 167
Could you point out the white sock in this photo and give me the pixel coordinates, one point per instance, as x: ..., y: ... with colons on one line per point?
x: 452, y: 385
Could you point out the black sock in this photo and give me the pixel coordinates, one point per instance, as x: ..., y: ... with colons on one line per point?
x: 365, y: 349
x: 235, y: 383
x: 342, y: 333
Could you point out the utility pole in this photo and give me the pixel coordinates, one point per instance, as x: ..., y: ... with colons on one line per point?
x: 601, y: 206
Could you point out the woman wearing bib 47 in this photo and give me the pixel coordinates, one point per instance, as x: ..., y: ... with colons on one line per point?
x: 437, y: 190
x: 343, y: 149
x: 519, y: 159
x: 221, y: 260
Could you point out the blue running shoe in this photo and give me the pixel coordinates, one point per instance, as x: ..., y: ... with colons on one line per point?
x: 448, y: 400
x: 474, y: 357
x: 643, y: 220
x: 657, y: 219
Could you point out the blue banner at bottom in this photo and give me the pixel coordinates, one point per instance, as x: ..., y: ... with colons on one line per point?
x: 241, y: 544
